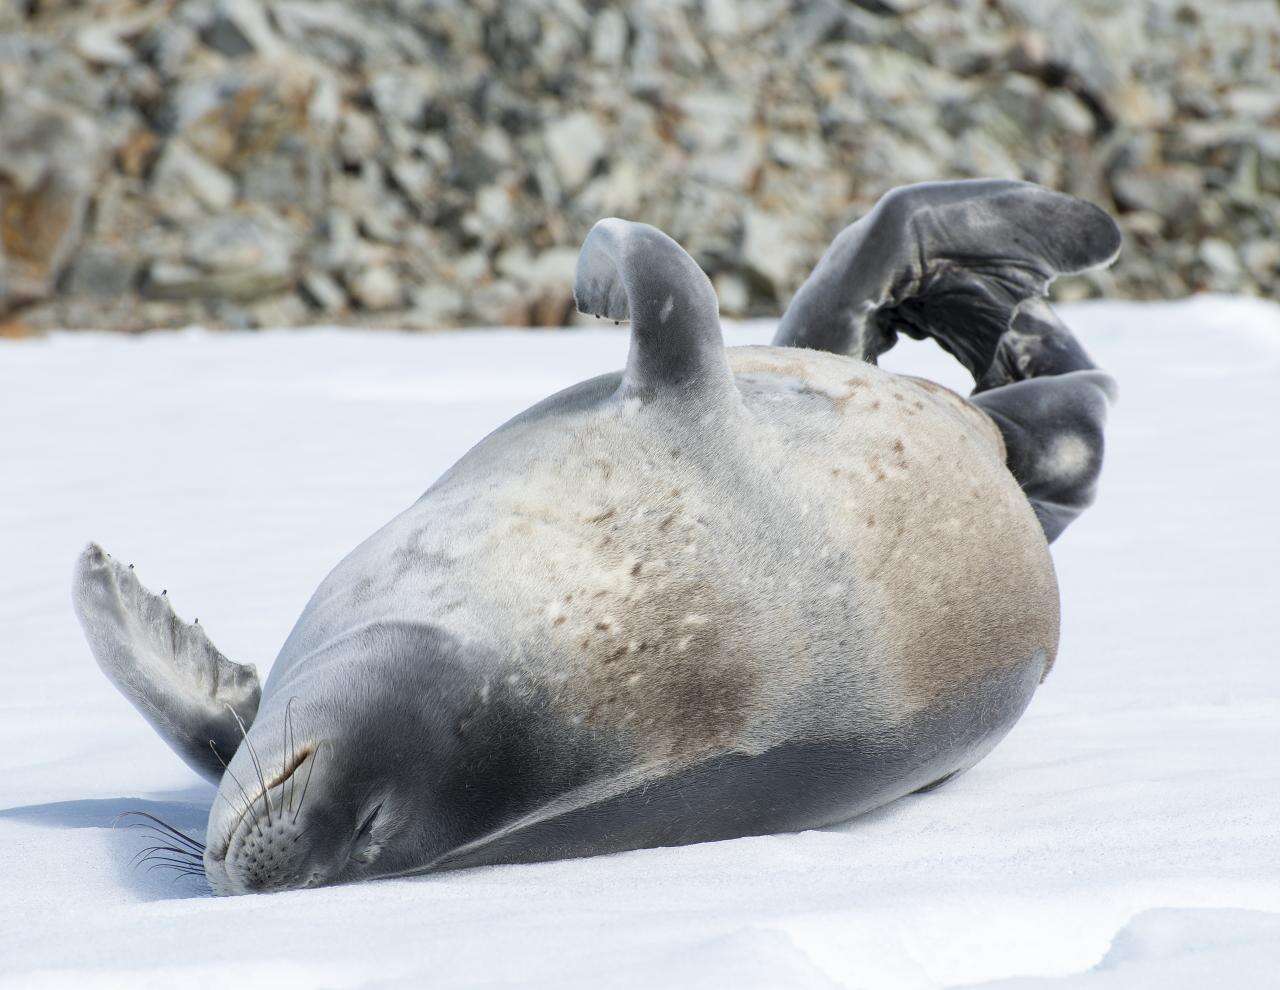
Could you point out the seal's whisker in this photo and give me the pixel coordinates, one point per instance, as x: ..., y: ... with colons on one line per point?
x: 157, y: 858
x: 248, y: 802
x: 178, y: 851
x: 188, y: 876
x: 167, y: 866
x: 154, y: 829
x: 237, y: 809
x: 158, y: 833
x: 175, y: 833
x: 144, y: 854
x: 190, y: 854
x: 253, y: 756
x: 167, y: 854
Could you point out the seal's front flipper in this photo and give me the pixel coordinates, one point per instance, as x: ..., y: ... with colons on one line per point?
x: 954, y: 261
x: 631, y: 271
x: 167, y: 668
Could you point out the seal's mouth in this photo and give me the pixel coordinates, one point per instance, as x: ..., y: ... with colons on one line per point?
x: 275, y: 801
x: 291, y: 766
x: 278, y: 836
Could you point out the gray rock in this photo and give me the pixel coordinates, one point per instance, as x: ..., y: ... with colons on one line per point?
x: 462, y: 149
x: 103, y: 44
x: 575, y: 143
x: 175, y: 280
x: 738, y: 164
x: 324, y: 293
x: 554, y: 268
x: 1222, y: 261
x: 1166, y: 191
x: 415, y: 178
x: 50, y: 156
x: 284, y: 310
x: 714, y: 118
x: 498, y: 304
x: 185, y: 186
x: 338, y: 244
x: 1066, y: 112
x: 376, y: 289
x: 329, y: 29
x: 436, y: 306
x: 169, y: 44
x: 241, y: 243
x: 233, y: 257
x: 733, y: 293
x: 358, y: 137
x: 1254, y: 102
x: 277, y: 178
x: 384, y: 219
x: 402, y: 94
x: 495, y: 210
x: 769, y: 249
x: 609, y: 37
x: 1262, y: 258
x: 183, y: 280
x: 240, y: 27
x: 795, y: 151
x: 102, y: 272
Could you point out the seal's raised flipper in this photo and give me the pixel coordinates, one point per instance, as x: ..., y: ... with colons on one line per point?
x: 949, y: 260
x: 631, y: 271
x: 966, y: 263
x: 167, y: 668
x: 1052, y: 429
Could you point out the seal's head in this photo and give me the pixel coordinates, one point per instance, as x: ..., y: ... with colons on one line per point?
x: 338, y: 777
x: 378, y: 759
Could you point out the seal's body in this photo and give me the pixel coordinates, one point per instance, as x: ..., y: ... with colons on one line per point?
x: 724, y: 592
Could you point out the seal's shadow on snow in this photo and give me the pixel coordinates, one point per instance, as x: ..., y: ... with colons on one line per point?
x: 186, y: 809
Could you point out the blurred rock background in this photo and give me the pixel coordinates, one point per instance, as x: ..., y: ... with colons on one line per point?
x: 428, y: 163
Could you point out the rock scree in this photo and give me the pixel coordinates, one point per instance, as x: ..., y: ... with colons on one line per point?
x: 431, y: 163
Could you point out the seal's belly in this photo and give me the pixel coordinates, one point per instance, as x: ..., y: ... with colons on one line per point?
x: 763, y: 628
x: 866, y: 561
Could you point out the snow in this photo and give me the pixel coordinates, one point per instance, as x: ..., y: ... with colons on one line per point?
x: 1124, y: 835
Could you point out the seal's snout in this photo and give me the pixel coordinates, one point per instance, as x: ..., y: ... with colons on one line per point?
x: 290, y: 835
x: 269, y: 845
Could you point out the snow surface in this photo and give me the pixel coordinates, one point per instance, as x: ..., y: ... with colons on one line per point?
x: 1126, y: 834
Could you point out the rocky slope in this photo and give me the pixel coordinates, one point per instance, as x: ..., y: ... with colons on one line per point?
x: 428, y: 163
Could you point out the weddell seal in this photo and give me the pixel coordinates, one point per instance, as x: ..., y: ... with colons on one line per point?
x: 723, y: 592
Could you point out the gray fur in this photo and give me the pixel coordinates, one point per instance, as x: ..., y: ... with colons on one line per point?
x: 717, y: 594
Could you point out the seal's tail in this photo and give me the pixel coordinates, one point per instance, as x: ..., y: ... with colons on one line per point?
x: 966, y: 264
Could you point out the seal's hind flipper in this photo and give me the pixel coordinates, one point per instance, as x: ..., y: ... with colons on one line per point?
x: 949, y: 260
x: 631, y: 271
x: 967, y: 263
x: 1052, y: 429
x: 167, y: 668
